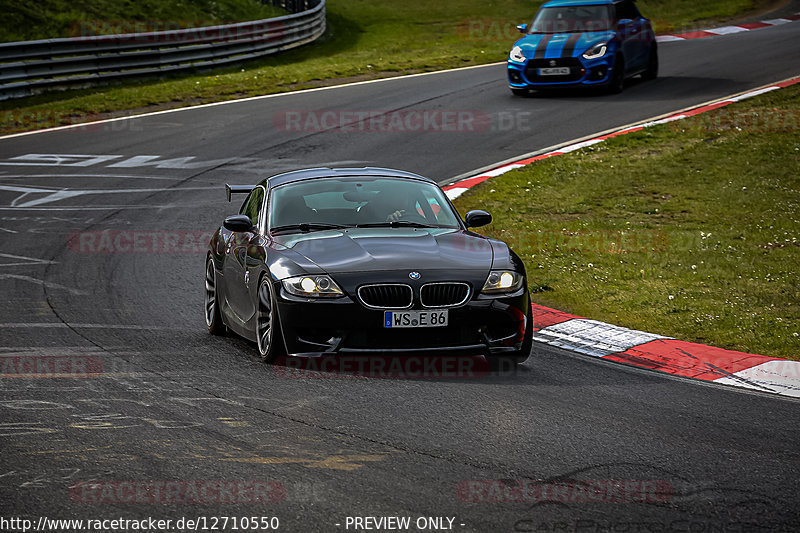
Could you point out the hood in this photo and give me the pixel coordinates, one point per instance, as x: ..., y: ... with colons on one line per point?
x: 556, y: 45
x: 377, y: 249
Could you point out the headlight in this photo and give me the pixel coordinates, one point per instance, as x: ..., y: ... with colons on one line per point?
x: 312, y: 286
x: 598, y: 50
x: 516, y: 55
x: 500, y: 281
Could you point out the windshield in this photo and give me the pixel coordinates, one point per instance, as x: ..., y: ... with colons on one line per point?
x: 571, y: 19
x: 348, y: 202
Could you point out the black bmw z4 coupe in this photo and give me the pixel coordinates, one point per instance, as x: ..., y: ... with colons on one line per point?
x: 323, y: 261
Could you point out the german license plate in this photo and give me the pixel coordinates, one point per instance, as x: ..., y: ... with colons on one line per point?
x: 415, y: 319
x: 554, y: 71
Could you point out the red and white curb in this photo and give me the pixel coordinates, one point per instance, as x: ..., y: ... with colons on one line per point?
x: 665, y: 354
x: 727, y: 30
x: 639, y: 348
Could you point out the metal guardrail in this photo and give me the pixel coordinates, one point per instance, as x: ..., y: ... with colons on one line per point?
x: 29, y: 65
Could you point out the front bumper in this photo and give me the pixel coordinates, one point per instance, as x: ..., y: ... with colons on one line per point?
x: 583, y: 72
x: 482, y: 326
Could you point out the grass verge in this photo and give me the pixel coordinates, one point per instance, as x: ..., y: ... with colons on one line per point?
x: 689, y: 229
x: 366, y: 39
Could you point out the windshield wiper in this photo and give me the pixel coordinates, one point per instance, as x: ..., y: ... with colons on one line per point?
x: 305, y: 227
x: 397, y: 224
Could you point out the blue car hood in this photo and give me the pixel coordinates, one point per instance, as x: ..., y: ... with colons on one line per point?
x: 557, y: 45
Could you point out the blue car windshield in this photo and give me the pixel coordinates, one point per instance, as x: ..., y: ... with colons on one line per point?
x: 357, y: 201
x: 571, y: 19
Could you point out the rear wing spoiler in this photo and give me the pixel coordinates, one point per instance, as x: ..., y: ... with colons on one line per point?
x: 237, y: 189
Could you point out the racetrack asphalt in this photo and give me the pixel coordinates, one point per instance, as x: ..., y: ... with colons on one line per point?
x: 173, y: 404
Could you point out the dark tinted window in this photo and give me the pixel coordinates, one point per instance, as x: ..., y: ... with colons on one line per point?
x: 252, y: 206
x: 344, y: 200
x: 571, y: 19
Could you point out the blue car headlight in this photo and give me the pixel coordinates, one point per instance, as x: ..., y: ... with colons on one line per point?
x: 313, y: 286
x: 598, y: 50
x: 516, y: 55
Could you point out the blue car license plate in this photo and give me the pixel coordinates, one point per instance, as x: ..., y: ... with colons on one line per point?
x: 554, y: 71
x: 415, y: 319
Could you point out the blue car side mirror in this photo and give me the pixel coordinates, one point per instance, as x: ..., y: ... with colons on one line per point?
x: 522, y: 28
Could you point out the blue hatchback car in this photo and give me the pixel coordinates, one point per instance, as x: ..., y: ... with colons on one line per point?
x: 583, y: 43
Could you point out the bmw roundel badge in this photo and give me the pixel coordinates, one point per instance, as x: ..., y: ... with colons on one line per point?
x: 414, y: 275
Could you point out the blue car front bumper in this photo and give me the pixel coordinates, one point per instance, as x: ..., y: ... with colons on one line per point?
x: 582, y: 72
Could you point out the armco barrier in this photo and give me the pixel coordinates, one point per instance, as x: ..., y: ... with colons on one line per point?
x: 29, y: 65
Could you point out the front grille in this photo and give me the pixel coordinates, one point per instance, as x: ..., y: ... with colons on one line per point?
x: 444, y: 294
x: 574, y: 64
x: 386, y: 296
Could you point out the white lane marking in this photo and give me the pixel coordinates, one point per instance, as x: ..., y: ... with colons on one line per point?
x: 8, y: 230
x: 780, y: 376
x: 25, y: 260
x: 592, y: 337
x: 66, y: 160
x: 5, y: 176
x: 137, y: 161
x: 48, y: 284
x: 53, y: 197
x: 578, y: 146
x: 102, y: 208
x: 178, y: 162
x: 232, y: 164
x: 753, y: 93
x: 56, y: 195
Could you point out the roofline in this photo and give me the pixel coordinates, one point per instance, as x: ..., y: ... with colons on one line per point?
x: 328, y: 172
x: 569, y: 3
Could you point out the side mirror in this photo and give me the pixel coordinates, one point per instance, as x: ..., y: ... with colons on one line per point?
x: 477, y: 218
x: 522, y: 28
x: 238, y: 223
x: 623, y: 24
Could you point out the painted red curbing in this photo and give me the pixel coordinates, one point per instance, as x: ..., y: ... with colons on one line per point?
x: 688, y: 359
x: 544, y: 316
x: 716, y: 32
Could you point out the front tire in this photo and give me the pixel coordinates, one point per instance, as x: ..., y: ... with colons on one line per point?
x: 617, y: 81
x: 213, y: 317
x: 268, y: 331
